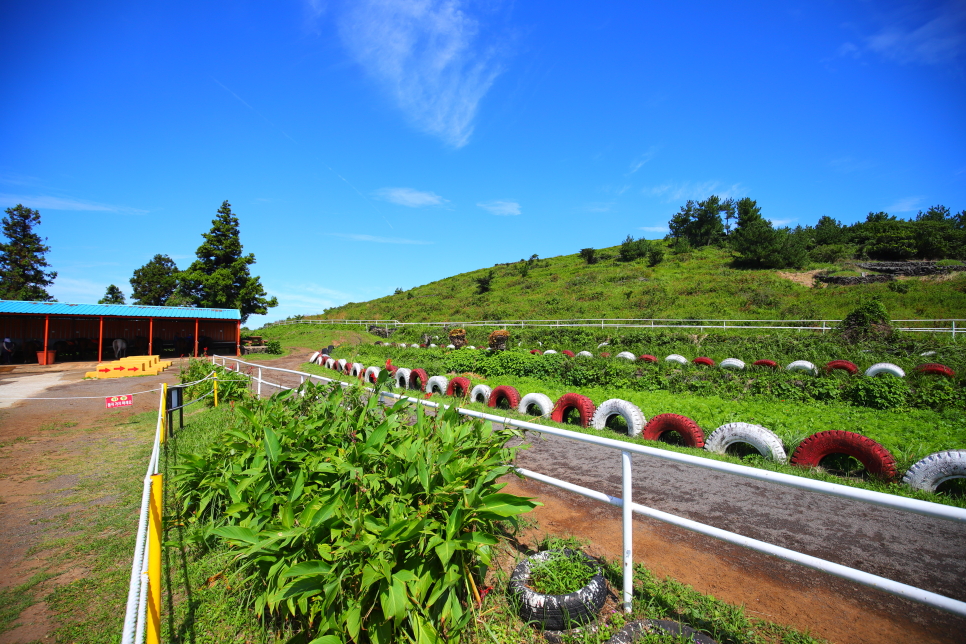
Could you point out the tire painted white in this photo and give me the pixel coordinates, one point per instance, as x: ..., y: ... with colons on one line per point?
x: 732, y: 363
x: 926, y: 354
x: 341, y: 362
x: 471, y: 347
x: 885, y: 367
x: 437, y: 382
x: 402, y: 377
x: 450, y: 346
x: 603, y: 344
x: 676, y: 358
x: 481, y: 391
x: 542, y: 401
x: 330, y: 363
x: 315, y: 356
x: 936, y: 469
x: 433, y: 346
x: 802, y: 365
x: 372, y: 370
x: 585, y: 354
x: 627, y: 355
x: 549, y: 352
x: 764, y: 440
x: 357, y: 368
x: 630, y: 412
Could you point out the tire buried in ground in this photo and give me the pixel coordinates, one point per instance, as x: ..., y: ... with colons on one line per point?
x: 458, y: 387
x: 504, y: 394
x: 437, y: 384
x: 630, y: 412
x: 934, y: 470
x: 935, y: 369
x: 690, y: 433
x: 843, y: 365
x: 418, y: 379
x: 765, y: 441
x: 885, y: 367
x: 541, y: 401
x: 584, y: 406
x: 480, y: 394
x: 876, y: 458
x: 557, y: 612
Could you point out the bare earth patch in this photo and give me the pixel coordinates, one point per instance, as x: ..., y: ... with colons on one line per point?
x: 806, y: 279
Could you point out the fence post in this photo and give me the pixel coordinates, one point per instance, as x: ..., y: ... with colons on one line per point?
x: 164, y: 412
x: 154, y: 562
x: 259, y: 382
x: 216, y: 390
x: 628, y: 529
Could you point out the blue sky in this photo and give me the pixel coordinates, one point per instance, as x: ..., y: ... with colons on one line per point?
x: 376, y: 144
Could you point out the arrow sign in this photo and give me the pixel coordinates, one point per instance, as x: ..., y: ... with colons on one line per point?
x: 132, y: 369
x: 105, y: 370
x: 118, y: 368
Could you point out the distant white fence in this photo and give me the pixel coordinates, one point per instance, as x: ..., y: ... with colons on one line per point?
x: 951, y: 326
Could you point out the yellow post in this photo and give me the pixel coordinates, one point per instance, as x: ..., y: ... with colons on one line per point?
x: 216, y: 390
x: 164, y: 411
x: 154, y: 563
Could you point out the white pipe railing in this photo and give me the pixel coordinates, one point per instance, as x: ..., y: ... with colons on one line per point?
x: 916, y: 506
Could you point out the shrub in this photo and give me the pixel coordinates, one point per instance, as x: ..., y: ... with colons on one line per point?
x: 273, y: 346
x: 884, y: 391
x: 588, y: 255
x: 868, y: 322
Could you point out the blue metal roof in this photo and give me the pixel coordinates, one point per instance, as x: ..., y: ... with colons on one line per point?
x: 120, y: 310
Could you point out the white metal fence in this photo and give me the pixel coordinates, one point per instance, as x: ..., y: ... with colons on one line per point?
x: 626, y: 452
x: 951, y: 326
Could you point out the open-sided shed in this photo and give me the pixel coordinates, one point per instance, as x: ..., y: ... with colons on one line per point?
x: 85, y: 331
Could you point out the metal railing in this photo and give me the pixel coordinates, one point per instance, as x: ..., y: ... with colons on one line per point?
x: 951, y: 325
x: 627, y: 450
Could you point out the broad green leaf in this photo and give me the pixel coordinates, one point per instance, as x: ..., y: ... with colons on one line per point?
x: 327, y: 639
x: 307, y: 568
x: 353, y: 620
x: 235, y: 508
x: 272, y: 447
x: 297, y: 487
x: 445, y: 550
x: 394, y: 601
x: 506, y: 505
x: 235, y: 533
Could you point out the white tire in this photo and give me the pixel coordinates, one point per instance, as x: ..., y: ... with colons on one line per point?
x: 885, y: 367
x: 936, y: 469
x: 480, y: 394
x: 402, y: 378
x: 437, y: 382
x: 925, y: 354
x: 541, y: 401
x: 357, y: 369
x: 330, y: 363
x: 630, y: 412
x: 585, y: 354
x: 732, y: 363
x: 627, y: 355
x: 603, y: 344
x: 765, y: 441
x: 802, y: 365
x: 433, y: 346
x: 315, y: 356
x: 372, y: 371
x: 549, y: 352
x: 676, y: 358
x: 450, y: 346
x: 341, y: 362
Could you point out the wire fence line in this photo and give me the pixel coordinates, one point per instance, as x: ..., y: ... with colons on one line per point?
x: 952, y: 326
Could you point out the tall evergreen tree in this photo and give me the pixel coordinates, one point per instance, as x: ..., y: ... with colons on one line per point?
x: 112, y: 296
x: 155, y: 282
x: 22, y: 261
x: 700, y: 222
x: 219, y: 278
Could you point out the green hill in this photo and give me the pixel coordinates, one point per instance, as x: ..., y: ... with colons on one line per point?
x: 698, y: 285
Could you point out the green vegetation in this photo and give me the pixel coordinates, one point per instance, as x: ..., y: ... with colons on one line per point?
x: 22, y: 257
x: 561, y: 573
x: 113, y: 295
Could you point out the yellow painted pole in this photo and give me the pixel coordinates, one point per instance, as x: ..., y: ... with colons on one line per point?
x: 164, y: 411
x: 153, y: 630
x: 216, y: 390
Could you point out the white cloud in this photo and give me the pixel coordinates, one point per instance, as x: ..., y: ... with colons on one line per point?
x: 654, y: 229
x: 638, y: 163
x: 78, y: 291
x: 410, y: 197
x: 501, y: 207
x: 683, y: 191
x: 424, y: 53
x: 46, y: 202
x: 781, y: 222
x: 930, y: 37
x: 379, y: 240
x: 905, y: 205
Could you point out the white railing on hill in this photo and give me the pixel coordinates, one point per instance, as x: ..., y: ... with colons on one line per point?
x: 951, y: 326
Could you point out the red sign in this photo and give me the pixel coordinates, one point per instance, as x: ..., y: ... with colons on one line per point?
x: 118, y: 401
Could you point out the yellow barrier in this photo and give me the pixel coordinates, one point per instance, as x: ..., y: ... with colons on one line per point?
x: 153, y: 630
x: 130, y: 366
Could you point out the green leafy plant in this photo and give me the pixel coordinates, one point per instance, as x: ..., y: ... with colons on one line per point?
x: 562, y: 572
x: 233, y: 386
x: 273, y: 346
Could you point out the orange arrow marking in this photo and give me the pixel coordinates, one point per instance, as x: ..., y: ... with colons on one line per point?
x: 133, y: 369
x: 105, y: 370
x: 118, y: 368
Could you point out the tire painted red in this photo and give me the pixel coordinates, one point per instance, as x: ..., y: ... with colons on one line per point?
x: 536, y: 352
x: 844, y: 365
x: 568, y: 353
x: 459, y: 387
x: 422, y: 346
x: 420, y: 376
x: 507, y: 394
x: 707, y: 362
x: 647, y: 357
x: 691, y: 434
x: 392, y: 369
x: 347, y: 369
x: 766, y: 363
x: 605, y: 355
x: 876, y: 458
x: 935, y: 369
x: 584, y: 406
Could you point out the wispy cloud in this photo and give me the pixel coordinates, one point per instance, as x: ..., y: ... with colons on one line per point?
x: 639, y: 162
x: 847, y: 164
x: 426, y: 56
x: 47, y: 202
x: 781, y: 222
x: 654, y: 229
x: 916, y: 33
x: 599, y: 206
x: 502, y: 208
x: 683, y: 191
x: 78, y: 291
x: 906, y: 205
x: 379, y: 240
x: 410, y: 197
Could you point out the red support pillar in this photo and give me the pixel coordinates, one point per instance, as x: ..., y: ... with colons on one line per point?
x: 196, y: 337
x: 100, y: 340
x: 46, y: 332
x: 238, y: 339
x: 150, y: 336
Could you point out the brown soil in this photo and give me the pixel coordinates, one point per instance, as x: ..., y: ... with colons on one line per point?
x: 806, y: 279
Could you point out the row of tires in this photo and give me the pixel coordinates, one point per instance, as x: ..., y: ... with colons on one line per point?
x: 927, y: 474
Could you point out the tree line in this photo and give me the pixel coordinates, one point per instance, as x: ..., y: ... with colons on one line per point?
x: 219, y: 277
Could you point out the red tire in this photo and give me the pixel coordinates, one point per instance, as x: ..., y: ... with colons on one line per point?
x: 422, y: 346
x: 876, y: 458
x: 936, y: 369
x: 418, y: 375
x: 584, y: 406
x: 647, y: 357
x: 536, y: 352
x: 459, y: 387
x: 347, y: 369
x: 691, y: 434
x: 707, y: 362
x: 504, y: 393
x: 844, y: 365
x: 392, y: 369
x: 766, y: 363
x: 568, y: 353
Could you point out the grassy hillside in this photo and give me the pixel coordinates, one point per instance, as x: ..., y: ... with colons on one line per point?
x: 696, y: 285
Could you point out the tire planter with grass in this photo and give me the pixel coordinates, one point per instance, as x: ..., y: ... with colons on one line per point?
x: 707, y: 362
x: 877, y: 460
x: 504, y: 395
x: 418, y: 379
x: 627, y: 355
x: 732, y: 363
x: 771, y: 364
x: 585, y: 354
x: 437, y: 385
x: 690, y: 433
x: 480, y: 394
x: 765, y: 441
x: 458, y: 387
x: 885, y: 367
x: 557, y: 612
x: 676, y: 358
x: 843, y: 365
x: 935, y: 369
x: 541, y: 402
x: 568, y: 353
x: 630, y: 412
x: 803, y: 365
x: 647, y: 357
x: 549, y: 352
x: 934, y: 470
x: 584, y: 406
x: 535, y: 352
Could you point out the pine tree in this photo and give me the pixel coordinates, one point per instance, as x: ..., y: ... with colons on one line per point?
x: 22, y: 261
x: 155, y: 282
x: 112, y: 296
x: 219, y: 278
